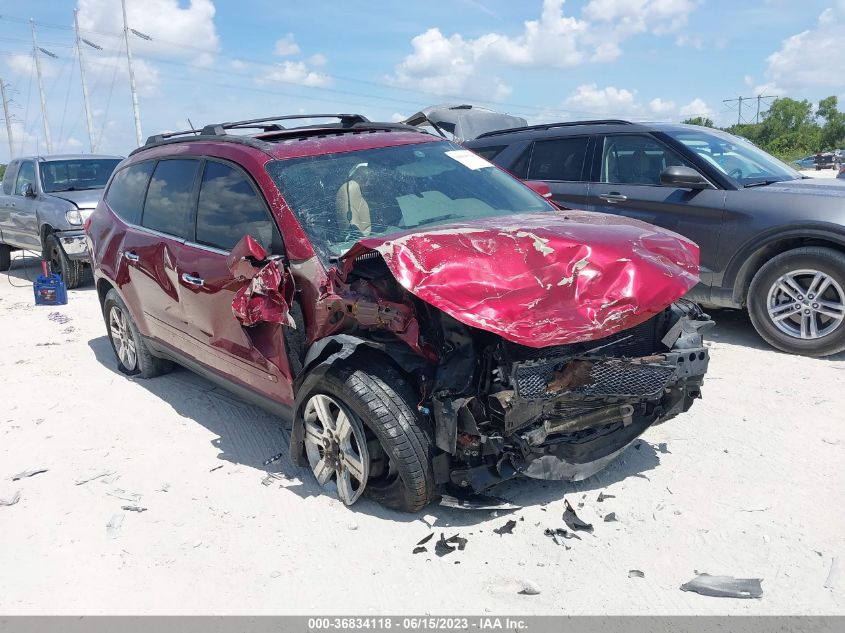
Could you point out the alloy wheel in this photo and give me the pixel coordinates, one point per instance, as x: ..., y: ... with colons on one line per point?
x: 336, y: 447
x: 121, y: 336
x: 806, y: 304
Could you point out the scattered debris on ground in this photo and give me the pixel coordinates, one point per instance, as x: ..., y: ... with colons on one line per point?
x: 211, y: 470
x: 58, y: 317
x: 834, y: 576
x: 28, y: 473
x: 572, y: 521
x: 104, y: 473
x: 724, y: 586
x: 635, y: 573
x: 444, y: 545
x: 133, y: 497
x: 12, y: 500
x: 133, y: 508
x: 529, y: 588
x: 113, y: 526
x: 507, y: 528
x: 420, y: 547
x: 603, y: 496
x: 268, y: 479
x: 609, y: 517
x: 478, y: 502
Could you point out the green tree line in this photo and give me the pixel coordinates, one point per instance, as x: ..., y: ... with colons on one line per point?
x: 791, y: 129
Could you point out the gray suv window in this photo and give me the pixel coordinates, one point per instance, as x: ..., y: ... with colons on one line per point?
x: 26, y: 176
x: 558, y: 159
x: 170, y: 198
x: 636, y: 160
x: 230, y: 208
x: 127, y: 189
x: 9, y: 177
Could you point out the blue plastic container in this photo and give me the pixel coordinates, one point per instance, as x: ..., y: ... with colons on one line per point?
x: 50, y: 290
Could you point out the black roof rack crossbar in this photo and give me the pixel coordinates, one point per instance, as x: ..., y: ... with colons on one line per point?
x: 266, y: 124
x: 548, y: 126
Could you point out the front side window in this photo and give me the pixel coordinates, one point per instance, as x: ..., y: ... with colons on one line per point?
x: 341, y: 198
x: 26, y: 176
x: 558, y: 159
x: 75, y: 175
x: 170, y: 198
x: 636, y: 160
x: 736, y: 157
x: 230, y: 208
x: 127, y: 190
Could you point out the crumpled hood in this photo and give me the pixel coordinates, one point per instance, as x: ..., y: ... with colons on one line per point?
x: 83, y: 199
x: 542, y: 279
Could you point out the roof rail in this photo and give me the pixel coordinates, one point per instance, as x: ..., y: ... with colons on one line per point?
x: 548, y: 126
x: 266, y: 124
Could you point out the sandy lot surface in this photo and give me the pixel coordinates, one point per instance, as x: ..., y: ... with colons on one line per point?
x: 749, y: 483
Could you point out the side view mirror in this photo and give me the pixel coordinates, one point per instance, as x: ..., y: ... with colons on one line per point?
x: 683, y: 178
x: 28, y: 191
x: 539, y: 187
x: 245, y: 259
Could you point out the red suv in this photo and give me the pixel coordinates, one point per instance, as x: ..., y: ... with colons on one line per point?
x: 425, y: 322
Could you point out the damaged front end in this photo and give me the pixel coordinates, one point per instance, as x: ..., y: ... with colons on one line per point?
x: 565, y: 412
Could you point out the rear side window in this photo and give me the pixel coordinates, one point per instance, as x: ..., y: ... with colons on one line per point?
x: 126, y: 193
x: 170, y: 198
x: 26, y: 176
x: 230, y: 208
x: 489, y: 152
x: 558, y: 159
x: 9, y: 178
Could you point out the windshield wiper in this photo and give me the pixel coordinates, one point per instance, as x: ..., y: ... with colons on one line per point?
x: 760, y: 183
x: 74, y: 189
x: 438, y: 218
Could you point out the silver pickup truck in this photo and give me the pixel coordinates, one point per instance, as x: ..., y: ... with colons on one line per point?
x: 44, y: 203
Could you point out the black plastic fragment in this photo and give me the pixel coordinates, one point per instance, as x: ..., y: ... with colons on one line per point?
x: 635, y: 573
x: 444, y: 545
x: 420, y: 550
x: 426, y: 539
x: 573, y: 522
x: 724, y: 586
x: 603, y: 496
x: 507, y: 528
x: 610, y: 516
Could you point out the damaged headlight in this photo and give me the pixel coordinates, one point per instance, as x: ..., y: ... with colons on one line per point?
x: 77, y: 217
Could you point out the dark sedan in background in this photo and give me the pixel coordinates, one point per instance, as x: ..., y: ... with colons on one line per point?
x: 772, y: 240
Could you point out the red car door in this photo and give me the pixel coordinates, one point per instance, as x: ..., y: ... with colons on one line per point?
x: 229, y: 207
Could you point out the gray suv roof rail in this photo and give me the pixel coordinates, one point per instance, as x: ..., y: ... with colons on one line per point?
x: 548, y: 126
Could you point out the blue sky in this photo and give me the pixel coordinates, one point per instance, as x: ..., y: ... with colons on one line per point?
x: 213, y: 60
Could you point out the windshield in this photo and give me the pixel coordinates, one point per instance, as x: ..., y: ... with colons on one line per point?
x: 735, y: 157
x: 341, y: 198
x: 73, y: 175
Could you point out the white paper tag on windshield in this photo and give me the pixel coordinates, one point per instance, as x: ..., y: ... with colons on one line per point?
x: 468, y: 159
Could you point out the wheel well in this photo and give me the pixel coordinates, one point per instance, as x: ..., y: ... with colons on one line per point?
x: 46, y: 230
x: 757, y: 259
x: 103, y: 288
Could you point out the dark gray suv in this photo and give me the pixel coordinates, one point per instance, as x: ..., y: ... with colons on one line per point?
x: 772, y: 240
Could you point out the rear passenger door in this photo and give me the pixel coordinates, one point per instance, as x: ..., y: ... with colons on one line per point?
x: 229, y: 207
x: 23, y: 223
x: 6, y: 202
x: 563, y: 163
x: 626, y: 174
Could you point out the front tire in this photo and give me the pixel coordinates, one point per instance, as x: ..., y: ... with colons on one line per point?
x: 5, y: 257
x: 796, y: 301
x: 133, y: 356
x: 70, y: 270
x: 395, y: 438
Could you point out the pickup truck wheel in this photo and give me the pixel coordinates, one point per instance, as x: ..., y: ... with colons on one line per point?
x: 133, y: 356
x: 797, y: 301
x: 5, y: 257
x: 69, y: 270
x: 363, y: 432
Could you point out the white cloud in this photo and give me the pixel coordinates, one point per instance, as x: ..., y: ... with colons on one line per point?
x: 696, y: 107
x: 804, y: 60
x: 295, y: 73
x: 592, y: 101
x: 660, y: 107
x: 459, y: 65
x: 286, y: 46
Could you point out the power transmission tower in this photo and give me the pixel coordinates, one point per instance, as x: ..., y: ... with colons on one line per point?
x: 135, y: 109
x: 759, y: 100
x: 85, y: 103
x: 739, y: 101
x: 8, y: 119
x: 47, y: 139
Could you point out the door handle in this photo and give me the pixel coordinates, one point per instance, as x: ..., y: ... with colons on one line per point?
x: 194, y: 281
x: 132, y: 256
x: 613, y: 197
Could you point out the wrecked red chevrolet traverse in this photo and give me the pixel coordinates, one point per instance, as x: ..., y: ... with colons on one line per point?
x: 426, y: 323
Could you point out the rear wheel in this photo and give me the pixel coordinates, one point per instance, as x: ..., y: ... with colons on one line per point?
x: 5, y: 257
x: 71, y: 271
x: 133, y: 356
x: 797, y: 301
x: 363, y: 433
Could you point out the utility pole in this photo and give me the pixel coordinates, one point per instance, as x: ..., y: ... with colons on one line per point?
x: 47, y: 139
x: 739, y: 100
x: 759, y: 100
x: 8, y: 120
x: 136, y: 111
x: 85, y: 103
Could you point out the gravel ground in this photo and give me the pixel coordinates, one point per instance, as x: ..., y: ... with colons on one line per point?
x: 749, y: 483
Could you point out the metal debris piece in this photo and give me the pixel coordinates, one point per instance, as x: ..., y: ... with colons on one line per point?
x: 834, y: 576
x: 215, y: 468
x: 165, y: 487
x: 420, y: 550
x: 478, y: 502
x: 554, y: 533
x: 529, y: 588
x: 572, y: 521
x: 10, y: 501
x: 28, y: 473
x: 133, y: 508
x: 662, y: 448
x: 426, y: 539
x: 113, y: 526
x: 445, y: 545
x: 274, y: 458
x: 635, y: 573
x: 610, y: 516
x: 271, y: 477
x: 120, y: 493
x: 104, y: 473
x: 507, y: 528
x: 724, y: 586
x: 603, y: 496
